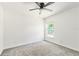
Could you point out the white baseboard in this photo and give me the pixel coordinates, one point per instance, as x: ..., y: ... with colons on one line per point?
x: 20, y: 44
x: 63, y: 45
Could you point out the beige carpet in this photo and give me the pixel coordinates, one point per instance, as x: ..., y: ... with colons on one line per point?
x: 40, y: 49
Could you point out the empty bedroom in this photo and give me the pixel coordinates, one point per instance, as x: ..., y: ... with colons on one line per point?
x: 39, y: 28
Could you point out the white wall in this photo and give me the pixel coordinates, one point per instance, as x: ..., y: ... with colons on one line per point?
x: 66, y: 28
x: 20, y: 26
x: 1, y: 29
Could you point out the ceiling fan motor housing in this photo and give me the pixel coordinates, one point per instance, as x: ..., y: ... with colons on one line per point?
x: 41, y: 5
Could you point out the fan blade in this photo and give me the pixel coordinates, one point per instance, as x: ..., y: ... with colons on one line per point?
x: 34, y: 9
x: 38, y: 4
x: 49, y: 3
x: 48, y: 9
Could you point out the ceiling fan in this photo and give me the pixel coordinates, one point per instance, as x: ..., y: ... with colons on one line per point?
x: 42, y: 6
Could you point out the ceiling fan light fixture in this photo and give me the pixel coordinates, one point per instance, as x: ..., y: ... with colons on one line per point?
x: 42, y: 6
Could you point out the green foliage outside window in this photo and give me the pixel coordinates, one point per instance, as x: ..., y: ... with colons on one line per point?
x: 50, y: 28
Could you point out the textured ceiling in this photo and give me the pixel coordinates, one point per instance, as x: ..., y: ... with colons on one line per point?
x: 57, y: 7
